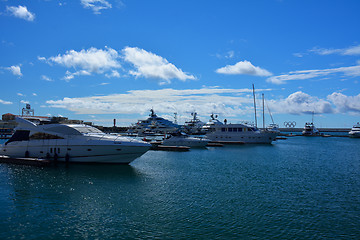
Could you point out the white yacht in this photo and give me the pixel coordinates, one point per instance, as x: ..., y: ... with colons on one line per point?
x: 310, y: 130
x: 194, y: 126
x: 153, y: 125
x: 355, y: 131
x: 181, y: 139
x: 232, y: 133
x: 72, y: 143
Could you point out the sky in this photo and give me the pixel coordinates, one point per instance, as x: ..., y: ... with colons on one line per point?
x: 99, y: 60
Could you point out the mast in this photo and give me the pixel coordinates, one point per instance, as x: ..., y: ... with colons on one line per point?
x: 263, y: 105
x: 272, y: 120
x: 254, y: 105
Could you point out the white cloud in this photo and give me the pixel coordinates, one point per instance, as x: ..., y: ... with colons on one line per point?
x: 46, y: 78
x: 96, y: 5
x: 354, y: 50
x: 34, y: 94
x: 150, y: 65
x: 20, y: 94
x: 5, y: 102
x: 21, y: 12
x: 300, y: 103
x: 345, y: 104
x: 113, y: 74
x: 243, y: 67
x: 15, y: 70
x: 352, y: 71
x: 89, y: 61
x: 227, y: 102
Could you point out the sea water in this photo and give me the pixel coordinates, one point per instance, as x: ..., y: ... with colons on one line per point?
x: 299, y: 188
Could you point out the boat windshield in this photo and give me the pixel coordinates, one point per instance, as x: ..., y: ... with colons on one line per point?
x: 87, y: 129
x: 73, y: 129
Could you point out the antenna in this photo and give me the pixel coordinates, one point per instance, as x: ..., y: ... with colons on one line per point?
x: 175, y: 116
x: 254, y: 105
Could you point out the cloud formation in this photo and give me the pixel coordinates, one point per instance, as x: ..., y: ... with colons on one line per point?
x: 354, y: 50
x: 222, y: 101
x: 352, y: 71
x: 96, y: 5
x: 300, y: 103
x: 245, y: 68
x: 107, y: 62
x: 21, y: 12
x: 15, y: 70
x: 88, y: 61
x: 150, y: 65
x: 234, y: 104
x: 5, y: 102
x: 345, y: 104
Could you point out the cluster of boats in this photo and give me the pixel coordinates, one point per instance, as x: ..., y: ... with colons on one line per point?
x: 83, y: 143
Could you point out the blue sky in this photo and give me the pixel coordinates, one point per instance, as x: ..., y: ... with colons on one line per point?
x: 97, y: 60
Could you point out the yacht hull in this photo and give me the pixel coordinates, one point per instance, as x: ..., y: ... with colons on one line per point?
x: 188, y: 142
x: 76, y: 153
x: 259, y: 137
x: 354, y: 134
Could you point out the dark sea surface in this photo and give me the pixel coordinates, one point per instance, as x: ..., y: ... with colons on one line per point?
x: 299, y: 188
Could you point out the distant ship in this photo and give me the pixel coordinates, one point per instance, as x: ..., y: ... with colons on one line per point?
x: 310, y: 129
x: 241, y: 133
x: 153, y: 125
x: 194, y: 126
x: 355, y: 131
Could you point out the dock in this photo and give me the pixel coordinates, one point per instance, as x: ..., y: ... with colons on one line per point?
x: 213, y: 144
x: 170, y: 148
x: 25, y: 161
x: 228, y: 142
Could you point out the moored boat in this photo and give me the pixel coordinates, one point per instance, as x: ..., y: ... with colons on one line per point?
x: 355, y: 131
x: 181, y: 139
x: 242, y: 133
x: 71, y: 143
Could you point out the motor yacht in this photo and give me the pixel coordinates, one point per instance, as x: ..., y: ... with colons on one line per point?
x: 182, y: 139
x: 355, y: 131
x: 71, y: 143
x: 310, y: 130
x: 241, y: 132
x: 153, y: 125
x: 194, y: 125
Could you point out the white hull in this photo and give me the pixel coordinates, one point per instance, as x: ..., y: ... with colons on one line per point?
x: 245, y: 137
x: 75, y: 153
x: 71, y: 143
x: 186, y: 141
x: 354, y: 134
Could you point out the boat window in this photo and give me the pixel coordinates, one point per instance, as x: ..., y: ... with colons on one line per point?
x: 19, y: 135
x: 40, y: 135
x: 239, y: 129
x: 223, y: 129
x: 87, y: 129
x: 235, y: 129
x: 63, y: 129
x: 230, y: 129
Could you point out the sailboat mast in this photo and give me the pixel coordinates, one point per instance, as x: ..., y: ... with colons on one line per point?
x: 263, y: 111
x: 254, y: 105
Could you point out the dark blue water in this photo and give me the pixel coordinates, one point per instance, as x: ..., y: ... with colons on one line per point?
x: 299, y: 188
